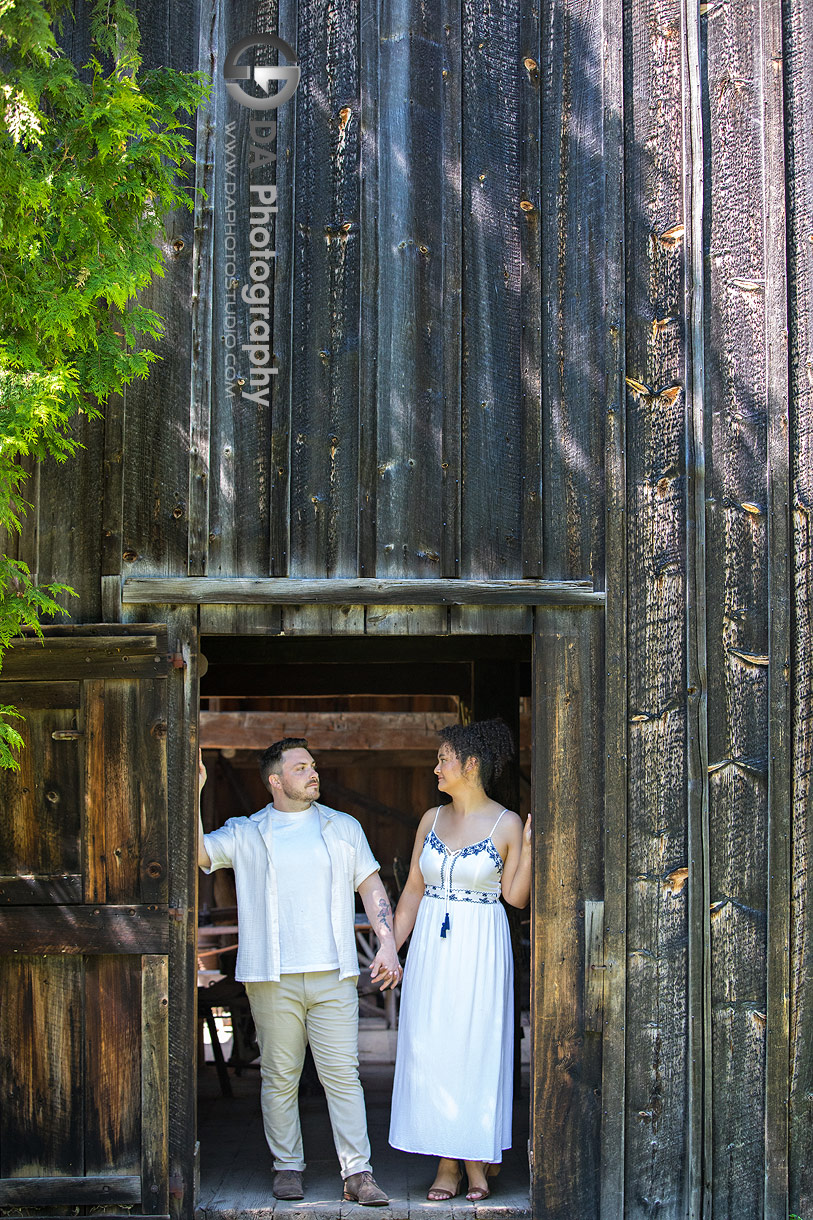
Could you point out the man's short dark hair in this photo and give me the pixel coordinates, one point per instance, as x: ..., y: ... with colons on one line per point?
x: 271, y: 760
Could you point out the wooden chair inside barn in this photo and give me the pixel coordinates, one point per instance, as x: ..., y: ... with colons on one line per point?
x: 219, y: 994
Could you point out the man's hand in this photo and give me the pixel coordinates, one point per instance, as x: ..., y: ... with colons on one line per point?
x: 385, y: 965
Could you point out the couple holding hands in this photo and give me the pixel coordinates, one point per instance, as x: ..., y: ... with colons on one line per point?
x: 298, y: 865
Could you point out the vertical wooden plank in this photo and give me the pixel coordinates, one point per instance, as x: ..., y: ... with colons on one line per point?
x: 183, y: 702
x: 205, y: 294
x: 156, y: 469
x: 323, y: 620
x: 41, y: 1119
x: 154, y: 1071
x: 369, y: 204
x: 798, y: 59
x: 125, y: 806
x: 567, y: 798
x: 613, y: 1084
x: 750, y: 1147
x: 284, y: 273
x: 699, y: 1100
x: 493, y: 489
x: 69, y: 521
x: 737, y: 613
x: 118, y: 794
x: 112, y: 1041
x: 325, y: 344
x: 39, y: 804
x: 770, y: 72
x: 147, y: 736
x: 112, y: 494
x: 406, y: 620
x: 572, y: 287
x: 240, y: 620
x: 530, y: 113
x: 491, y: 620
x: 93, y: 834
x: 657, y: 960
x: 240, y: 438
x: 414, y: 302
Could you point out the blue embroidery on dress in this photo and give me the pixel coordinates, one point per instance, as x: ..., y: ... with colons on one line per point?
x: 437, y: 891
x: 472, y: 849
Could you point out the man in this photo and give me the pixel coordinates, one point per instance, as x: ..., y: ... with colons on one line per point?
x: 297, y: 865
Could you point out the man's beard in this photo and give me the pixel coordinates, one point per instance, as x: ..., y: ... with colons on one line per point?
x: 300, y: 791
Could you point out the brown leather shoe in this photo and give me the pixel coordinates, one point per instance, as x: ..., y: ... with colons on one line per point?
x: 288, y: 1184
x: 362, y: 1188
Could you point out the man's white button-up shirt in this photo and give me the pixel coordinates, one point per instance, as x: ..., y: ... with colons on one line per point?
x: 247, y: 846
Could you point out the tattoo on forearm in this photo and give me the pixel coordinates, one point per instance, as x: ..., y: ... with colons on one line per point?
x: 384, y: 915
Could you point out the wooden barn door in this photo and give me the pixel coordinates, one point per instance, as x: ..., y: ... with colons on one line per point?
x: 84, y: 924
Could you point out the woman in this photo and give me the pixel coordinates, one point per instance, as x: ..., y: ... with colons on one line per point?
x: 452, y: 1093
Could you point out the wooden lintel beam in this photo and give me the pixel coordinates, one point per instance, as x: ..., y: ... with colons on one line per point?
x: 324, y: 730
x: 284, y: 591
x: 332, y: 732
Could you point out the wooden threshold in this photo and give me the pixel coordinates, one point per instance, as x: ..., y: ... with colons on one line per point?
x: 283, y: 591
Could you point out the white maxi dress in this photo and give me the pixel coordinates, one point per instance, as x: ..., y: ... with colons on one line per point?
x: 452, y: 1092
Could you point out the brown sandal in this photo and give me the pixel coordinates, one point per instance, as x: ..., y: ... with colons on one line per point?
x: 439, y: 1194
x: 477, y: 1194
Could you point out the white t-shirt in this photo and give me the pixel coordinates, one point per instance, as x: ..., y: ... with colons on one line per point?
x: 304, y: 877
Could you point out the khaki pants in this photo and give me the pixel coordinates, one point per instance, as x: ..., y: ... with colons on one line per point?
x: 320, y: 1009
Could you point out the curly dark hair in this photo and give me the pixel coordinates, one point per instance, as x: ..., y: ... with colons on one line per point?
x: 491, y: 742
x: 271, y: 760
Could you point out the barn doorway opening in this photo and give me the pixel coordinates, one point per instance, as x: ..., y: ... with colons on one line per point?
x: 370, y: 709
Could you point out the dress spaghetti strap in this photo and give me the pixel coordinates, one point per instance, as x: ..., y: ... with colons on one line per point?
x: 496, y: 824
x: 437, y: 811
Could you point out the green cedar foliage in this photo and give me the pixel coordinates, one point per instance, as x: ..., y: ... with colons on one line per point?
x: 91, y: 161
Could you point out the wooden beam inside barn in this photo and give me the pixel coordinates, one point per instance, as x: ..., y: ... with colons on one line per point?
x: 329, y: 731
x: 325, y: 730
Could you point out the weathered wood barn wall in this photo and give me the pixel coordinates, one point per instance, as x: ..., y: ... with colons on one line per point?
x: 542, y: 311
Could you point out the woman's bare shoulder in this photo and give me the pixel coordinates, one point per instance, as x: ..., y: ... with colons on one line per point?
x: 510, y: 824
x: 427, y: 819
